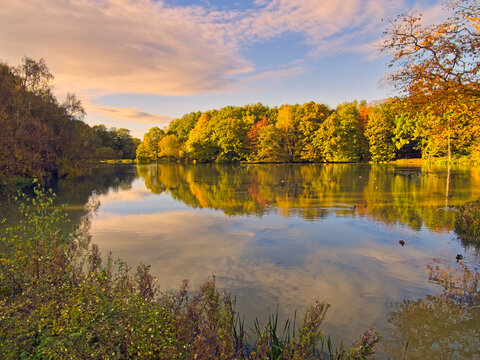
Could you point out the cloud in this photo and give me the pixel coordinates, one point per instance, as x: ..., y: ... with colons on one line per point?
x: 128, y: 114
x: 142, y: 46
x: 328, y: 26
x: 273, y: 75
x: 134, y: 194
x: 122, y: 46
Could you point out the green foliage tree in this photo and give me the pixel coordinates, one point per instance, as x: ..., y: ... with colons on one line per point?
x: 126, y: 143
x: 230, y: 136
x: 339, y: 138
x: 379, y: 133
x: 310, y: 116
x: 115, y: 143
x: 407, y: 133
x: 270, y: 148
x: 150, y: 150
x: 141, y: 153
x: 181, y: 127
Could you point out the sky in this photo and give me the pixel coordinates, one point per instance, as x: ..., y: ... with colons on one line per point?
x: 136, y: 64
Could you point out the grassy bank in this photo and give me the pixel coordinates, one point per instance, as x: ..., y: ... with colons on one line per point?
x: 118, y: 161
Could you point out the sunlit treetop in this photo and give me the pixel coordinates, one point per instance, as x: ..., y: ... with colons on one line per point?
x: 427, y: 58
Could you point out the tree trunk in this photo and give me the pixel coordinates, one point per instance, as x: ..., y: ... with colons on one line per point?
x: 448, y: 142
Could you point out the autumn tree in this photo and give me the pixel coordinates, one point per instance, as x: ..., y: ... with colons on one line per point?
x: 254, y: 113
x: 436, y: 67
x: 73, y: 107
x: 170, y: 147
x: 200, y: 145
x: 310, y: 116
x: 287, y: 126
x: 252, y: 137
x: 340, y: 138
x: 35, y: 76
x: 379, y: 132
x: 40, y: 138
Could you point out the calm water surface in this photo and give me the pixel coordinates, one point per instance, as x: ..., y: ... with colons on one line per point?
x: 287, y: 235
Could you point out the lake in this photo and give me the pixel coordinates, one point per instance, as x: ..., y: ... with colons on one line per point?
x: 374, y: 241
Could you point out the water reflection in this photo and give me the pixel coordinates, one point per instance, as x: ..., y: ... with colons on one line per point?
x: 273, y: 260
x: 391, y: 194
x: 440, y: 326
x: 289, y: 234
x: 79, y: 192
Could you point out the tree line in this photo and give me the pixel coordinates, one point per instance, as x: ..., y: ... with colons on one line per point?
x: 313, y: 132
x: 310, y: 132
x: 435, y: 69
x: 43, y: 138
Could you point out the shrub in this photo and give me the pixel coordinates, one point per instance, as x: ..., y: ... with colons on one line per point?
x: 468, y: 220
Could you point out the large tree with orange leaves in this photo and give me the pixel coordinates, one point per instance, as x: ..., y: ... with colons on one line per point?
x: 437, y: 68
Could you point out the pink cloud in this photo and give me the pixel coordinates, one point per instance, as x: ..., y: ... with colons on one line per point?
x: 114, y: 46
x: 128, y: 114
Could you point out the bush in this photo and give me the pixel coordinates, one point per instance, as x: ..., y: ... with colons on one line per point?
x: 467, y: 222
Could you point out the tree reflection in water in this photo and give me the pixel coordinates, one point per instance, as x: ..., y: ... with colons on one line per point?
x: 387, y: 193
x: 444, y: 326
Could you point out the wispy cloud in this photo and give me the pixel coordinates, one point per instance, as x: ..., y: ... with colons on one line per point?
x: 329, y: 27
x: 275, y: 75
x: 128, y: 114
x: 115, y: 46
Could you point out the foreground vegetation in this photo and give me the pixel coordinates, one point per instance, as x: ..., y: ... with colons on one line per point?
x: 58, y: 299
